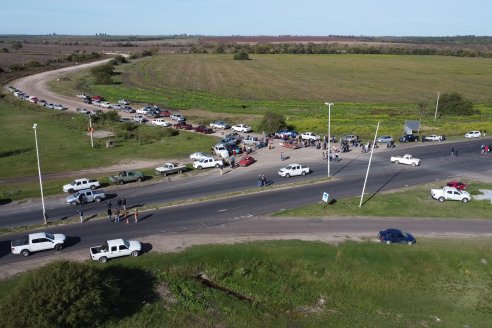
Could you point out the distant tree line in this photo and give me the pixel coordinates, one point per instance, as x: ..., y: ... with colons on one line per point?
x: 77, y: 56
x: 332, y: 48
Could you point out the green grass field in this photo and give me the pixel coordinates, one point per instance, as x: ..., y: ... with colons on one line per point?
x: 64, y: 145
x: 434, y: 283
x: 365, y: 89
x: 409, y: 202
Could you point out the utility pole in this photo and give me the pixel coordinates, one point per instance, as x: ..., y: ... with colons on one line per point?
x: 437, y: 105
x: 329, y: 137
x: 368, y: 166
x: 91, y: 130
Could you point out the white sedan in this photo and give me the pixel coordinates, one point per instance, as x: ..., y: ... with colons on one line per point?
x: 198, y: 156
x: 434, y: 137
x: 241, y: 128
x: 161, y: 122
x: 385, y: 139
x: 473, y: 134
x: 293, y: 170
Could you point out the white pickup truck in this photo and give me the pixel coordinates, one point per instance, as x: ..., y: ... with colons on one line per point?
x: 115, y: 248
x: 170, y: 168
x: 79, y: 184
x: 309, y: 136
x: 207, y: 163
x: 450, y: 193
x: 85, y: 196
x: 37, y: 242
x: 405, y: 159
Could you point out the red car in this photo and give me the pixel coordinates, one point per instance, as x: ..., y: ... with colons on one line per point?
x: 165, y: 113
x: 246, y: 161
x: 97, y: 98
x: 183, y: 126
x: 457, y: 185
x: 203, y: 129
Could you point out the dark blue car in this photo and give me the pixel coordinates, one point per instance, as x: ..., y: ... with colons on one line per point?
x: 391, y: 236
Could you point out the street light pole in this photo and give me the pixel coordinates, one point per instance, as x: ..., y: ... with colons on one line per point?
x: 329, y: 136
x: 39, y: 173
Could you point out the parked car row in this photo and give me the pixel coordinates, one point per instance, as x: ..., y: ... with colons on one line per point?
x: 33, y: 99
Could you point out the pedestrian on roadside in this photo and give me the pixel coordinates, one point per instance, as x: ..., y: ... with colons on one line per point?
x: 110, y: 214
x: 484, y: 133
x: 136, y: 215
x: 263, y: 180
x: 456, y: 152
x: 119, y: 203
x: 123, y: 202
x: 221, y: 169
x: 116, y: 215
x: 260, y: 181
x: 324, y: 156
x: 452, y: 151
x: 81, y: 213
x: 282, y: 156
x: 109, y: 211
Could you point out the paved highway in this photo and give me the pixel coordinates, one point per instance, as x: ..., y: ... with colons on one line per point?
x: 349, y: 174
x: 245, y: 213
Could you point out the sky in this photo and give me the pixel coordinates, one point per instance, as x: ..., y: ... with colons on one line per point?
x: 248, y: 17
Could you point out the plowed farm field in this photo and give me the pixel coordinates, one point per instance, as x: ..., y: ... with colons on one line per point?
x: 339, y: 78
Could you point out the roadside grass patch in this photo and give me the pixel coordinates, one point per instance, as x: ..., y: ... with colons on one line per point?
x: 312, y: 284
x: 65, y: 146
x: 407, y: 202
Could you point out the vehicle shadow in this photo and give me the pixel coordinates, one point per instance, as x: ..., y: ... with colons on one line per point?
x: 71, y: 241
x: 4, y: 248
x: 384, y: 185
x: 5, y: 201
x: 146, y: 247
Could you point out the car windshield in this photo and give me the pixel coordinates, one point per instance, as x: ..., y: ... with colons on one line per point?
x: 50, y: 236
x: 127, y: 243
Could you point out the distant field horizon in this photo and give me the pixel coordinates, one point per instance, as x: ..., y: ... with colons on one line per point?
x: 339, y: 78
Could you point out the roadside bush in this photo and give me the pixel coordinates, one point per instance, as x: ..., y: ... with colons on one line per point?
x: 63, y: 294
x: 103, y: 74
x: 272, y: 122
x: 455, y: 104
x: 70, y: 294
x: 120, y: 59
x: 16, y: 67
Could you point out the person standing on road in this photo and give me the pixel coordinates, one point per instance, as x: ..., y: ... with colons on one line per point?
x: 81, y: 214
x: 119, y: 202
x: 116, y: 215
x: 110, y: 212
x: 260, y: 181
x: 123, y: 202
x: 452, y: 151
x: 263, y: 180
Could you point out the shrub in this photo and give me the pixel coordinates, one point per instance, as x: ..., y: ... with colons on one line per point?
x: 455, y: 104
x: 63, y: 294
x: 241, y: 55
x: 272, y: 122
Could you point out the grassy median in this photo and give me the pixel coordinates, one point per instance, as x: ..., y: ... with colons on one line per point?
x: 407, y: 202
